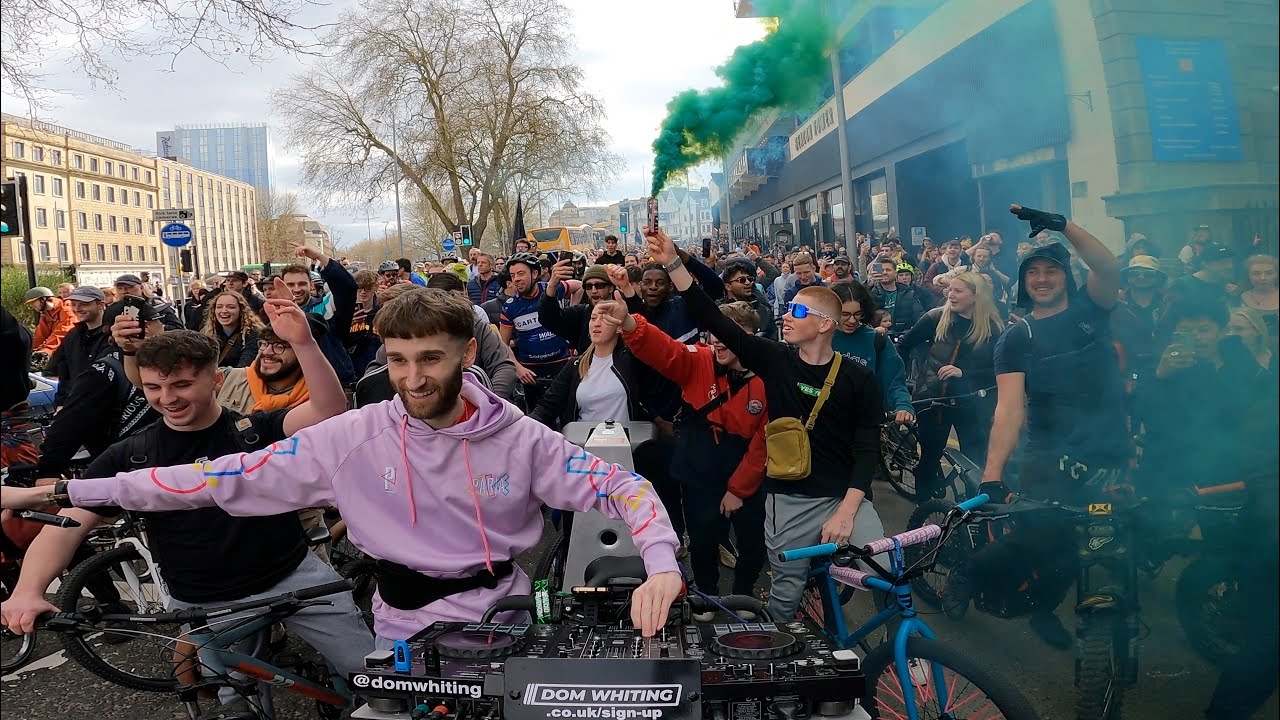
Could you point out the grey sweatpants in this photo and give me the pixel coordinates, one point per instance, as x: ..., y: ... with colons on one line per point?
x: 793, y: 521
x: 336, y: 631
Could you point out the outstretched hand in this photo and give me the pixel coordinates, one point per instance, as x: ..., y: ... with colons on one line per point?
x: 1039, y: 219
x: 661, y: 248
x: 287, y: 319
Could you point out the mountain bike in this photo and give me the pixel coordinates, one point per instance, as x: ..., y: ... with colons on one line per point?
x: 213, y: 635
x: 901, y: 454
x: 915, y: 675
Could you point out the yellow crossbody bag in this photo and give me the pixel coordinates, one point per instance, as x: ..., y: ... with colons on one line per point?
x: 787, y: 441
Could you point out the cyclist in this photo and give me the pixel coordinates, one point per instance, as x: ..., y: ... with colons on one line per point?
x: 960, y: 339
x: 208, y: 557
x: 55, y: 320
x: 445, y: 518
x: 1056, y: 369
x: 571, y: 323
x: 540, y: 353
x: 893, y: 292
x: 833, y: 503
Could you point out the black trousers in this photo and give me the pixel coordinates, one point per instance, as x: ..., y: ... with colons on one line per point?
x: 933, y: 427
x: 708, y: 528
x: 653, y: 462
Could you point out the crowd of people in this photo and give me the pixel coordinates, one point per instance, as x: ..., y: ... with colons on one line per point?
x: 768, y: 373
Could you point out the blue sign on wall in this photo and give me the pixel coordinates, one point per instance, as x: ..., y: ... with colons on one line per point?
x: 1191, y: 102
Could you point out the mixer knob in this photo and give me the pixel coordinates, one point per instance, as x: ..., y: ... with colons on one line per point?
x: 664, y: 651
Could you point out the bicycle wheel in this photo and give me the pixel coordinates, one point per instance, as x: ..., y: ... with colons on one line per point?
x: 1099, y: 687
x: 136, y: 657
x: 928, y: 586
x: 15, y: 650
x: 902, y: 479
x: 551, y: 565
x: 1209, y: 610
x: 972, y: 691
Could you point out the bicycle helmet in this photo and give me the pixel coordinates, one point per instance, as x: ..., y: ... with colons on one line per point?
x: 388, y: 266
x: 37, y: 293
x: 528, y: 259
x: 315, y: 276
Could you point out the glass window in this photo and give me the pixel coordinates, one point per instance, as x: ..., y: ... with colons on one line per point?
x: 123, y: 174
x: 37, y: 184
x: 111, y: 194
x: 109, y: 167
x: 57, y: 187
x: 79, y: 189
x: 55, y: 157
x: 44, y: 252
x: 60, y: 218
x: 93, y: 164
x: 82, y: 221
x: 102, y: 252
x: 97, y: 191
x: 148, y: 176
x: 134, y: 172
x: 128, y: 253
x: 111, y: 223
x: 835, y: 201
x: 115, y: 253
x: 137, y: 226
x: 124, y: 196
x: 42, y: 218
x: 19, y: 151
x: 84, y: 252
x: 154, y: 257
x: 63, y: 256
x: 37, y: 153
x: 78, y: 161
x: 151, y: 201
x: 97, y: 221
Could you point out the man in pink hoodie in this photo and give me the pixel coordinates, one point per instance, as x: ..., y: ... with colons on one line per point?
x: 442, y: 485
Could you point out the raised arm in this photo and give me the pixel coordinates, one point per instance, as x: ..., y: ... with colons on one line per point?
x: 672, y: 359
x: 326, y: 397
x: 1104, y: 266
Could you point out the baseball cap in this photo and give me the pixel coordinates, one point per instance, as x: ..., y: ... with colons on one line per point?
x: 127, y: 279
x: 88, y: 293
x: 842, y: 259
x: 238, y: 275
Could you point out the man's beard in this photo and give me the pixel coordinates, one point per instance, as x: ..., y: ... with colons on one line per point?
x: 286, y: 369
x: 441, y: 401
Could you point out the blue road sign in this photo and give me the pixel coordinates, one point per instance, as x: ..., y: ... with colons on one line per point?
x: 175, y: 235
x: 449, y: 244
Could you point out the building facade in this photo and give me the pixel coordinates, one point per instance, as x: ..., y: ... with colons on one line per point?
x: 89, y: 199
x: 242, y: 152
x: 225, y: 228
x: 1125, y: 115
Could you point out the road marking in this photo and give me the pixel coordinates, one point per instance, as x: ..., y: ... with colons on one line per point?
x: 48, y: 662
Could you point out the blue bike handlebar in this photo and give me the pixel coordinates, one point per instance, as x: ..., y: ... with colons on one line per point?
x: 825, y: 549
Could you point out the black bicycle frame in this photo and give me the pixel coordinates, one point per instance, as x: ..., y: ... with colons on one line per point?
x: 1107, y: 580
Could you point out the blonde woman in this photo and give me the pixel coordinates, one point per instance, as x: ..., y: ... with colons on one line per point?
x: 1263, y: 295
x: 1248, y: 324
x: 599, y: 384
x: 958, y: 341
x: 230, y: 321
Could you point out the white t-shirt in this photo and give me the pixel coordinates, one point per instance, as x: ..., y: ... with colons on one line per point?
x: 601, y: 395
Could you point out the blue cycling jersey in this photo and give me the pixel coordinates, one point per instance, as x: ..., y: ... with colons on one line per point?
x: 534, y: 343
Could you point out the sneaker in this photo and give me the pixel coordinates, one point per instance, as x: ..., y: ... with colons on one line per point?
x: 727, y: 558
x: 956, y: 595
x: 1049, y: 628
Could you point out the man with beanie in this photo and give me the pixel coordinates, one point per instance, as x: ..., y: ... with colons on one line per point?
x: 571, y: 323
x: 1058, y: 375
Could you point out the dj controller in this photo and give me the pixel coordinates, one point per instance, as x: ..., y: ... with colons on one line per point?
x: 690, y: 671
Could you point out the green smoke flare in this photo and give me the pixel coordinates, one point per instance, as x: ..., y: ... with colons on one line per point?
x: 785, y: 69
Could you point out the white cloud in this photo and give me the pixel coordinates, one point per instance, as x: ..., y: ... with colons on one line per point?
x: 635, y: 56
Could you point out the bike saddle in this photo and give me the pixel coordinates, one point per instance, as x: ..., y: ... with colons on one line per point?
x: 609, y: 569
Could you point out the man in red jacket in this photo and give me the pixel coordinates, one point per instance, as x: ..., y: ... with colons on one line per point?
x: 720, y: 452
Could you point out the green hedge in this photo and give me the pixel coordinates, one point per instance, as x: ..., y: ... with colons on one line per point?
x: 14, y: 280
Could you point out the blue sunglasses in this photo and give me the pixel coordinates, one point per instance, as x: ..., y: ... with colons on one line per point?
x: 801, y: 311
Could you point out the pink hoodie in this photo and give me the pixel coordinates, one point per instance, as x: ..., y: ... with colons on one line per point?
x: 446, y: 502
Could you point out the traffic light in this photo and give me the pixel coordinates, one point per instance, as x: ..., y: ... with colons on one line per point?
x: 466, y: 235
x: 9, y: 208
x: 184, y: 260
x: 624, y: 220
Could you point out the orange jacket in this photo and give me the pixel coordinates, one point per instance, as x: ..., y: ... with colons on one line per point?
x: 54, y: 325
x: 693, y: 368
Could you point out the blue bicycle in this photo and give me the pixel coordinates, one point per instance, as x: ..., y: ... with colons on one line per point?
x: 929, y: 679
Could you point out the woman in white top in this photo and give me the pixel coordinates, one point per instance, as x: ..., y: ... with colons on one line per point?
x: 598, y: 385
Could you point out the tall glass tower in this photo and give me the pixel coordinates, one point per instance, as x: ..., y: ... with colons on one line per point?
x: 241, y: 151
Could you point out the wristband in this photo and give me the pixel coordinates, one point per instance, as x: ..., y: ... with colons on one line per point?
x: 671, y: 266
x: 128, y: 354
x: 59, y: 496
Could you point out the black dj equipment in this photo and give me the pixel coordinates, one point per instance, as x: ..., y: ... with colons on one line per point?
x: 740, y: 671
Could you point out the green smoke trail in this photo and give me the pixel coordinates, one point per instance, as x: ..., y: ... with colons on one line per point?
x: 785, y: 69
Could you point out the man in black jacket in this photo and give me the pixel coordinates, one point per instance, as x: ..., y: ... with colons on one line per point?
x: 903, y: 302
x: 611, y: 255
x: 15, y: 345
x: 740, y: 285
x: 84, y: 344
x: 130, y: 284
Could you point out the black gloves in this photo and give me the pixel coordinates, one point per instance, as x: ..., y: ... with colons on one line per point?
x: 1039, y: 219
x: 996, y: 490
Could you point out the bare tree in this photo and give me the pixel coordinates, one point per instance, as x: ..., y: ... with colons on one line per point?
x: 277, y: 224
x: 90, y: 32
x: 468, y: 100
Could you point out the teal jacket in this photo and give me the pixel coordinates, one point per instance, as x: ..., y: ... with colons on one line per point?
x: 891, y: 373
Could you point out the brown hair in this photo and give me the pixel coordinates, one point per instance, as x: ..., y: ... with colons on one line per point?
x: 366, y: 279
x: 395, y: 291
x: 801, y: 258
x: 171, y: 350
x: 743, y: 314
x: 422, y: 312
x: 294, y: 269
x: 249, y: 322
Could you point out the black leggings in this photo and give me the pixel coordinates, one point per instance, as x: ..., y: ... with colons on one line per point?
x: 934, y: 427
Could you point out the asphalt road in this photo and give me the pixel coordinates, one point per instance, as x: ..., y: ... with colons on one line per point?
x: 1174, y: 684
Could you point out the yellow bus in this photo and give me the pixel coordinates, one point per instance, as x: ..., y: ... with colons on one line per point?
x: 581, y: 238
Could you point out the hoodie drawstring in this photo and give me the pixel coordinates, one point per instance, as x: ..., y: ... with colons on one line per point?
x: 475, y: 500
x: 408, y: 478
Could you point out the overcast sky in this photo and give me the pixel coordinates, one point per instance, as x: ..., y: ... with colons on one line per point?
x: 697, y: 35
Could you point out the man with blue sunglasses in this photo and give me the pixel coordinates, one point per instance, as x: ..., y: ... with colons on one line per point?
x: 833, y: 502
